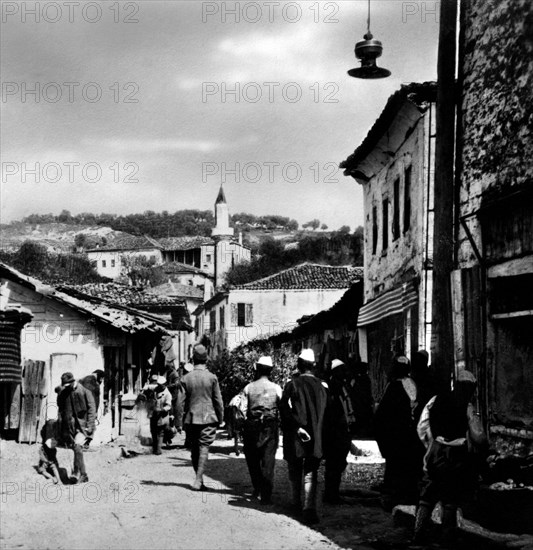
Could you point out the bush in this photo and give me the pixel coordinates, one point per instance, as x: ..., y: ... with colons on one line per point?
x: 235, y: 368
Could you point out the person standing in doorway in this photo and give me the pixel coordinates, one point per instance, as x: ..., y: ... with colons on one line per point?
x: 261, y: 429
x: 204, y: 411
x: 77, y: 414
x: 302, y: 407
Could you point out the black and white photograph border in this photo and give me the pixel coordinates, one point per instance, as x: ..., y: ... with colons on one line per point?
x: 265, y: 274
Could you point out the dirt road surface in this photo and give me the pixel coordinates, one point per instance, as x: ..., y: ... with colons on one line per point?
x: 146, y: 502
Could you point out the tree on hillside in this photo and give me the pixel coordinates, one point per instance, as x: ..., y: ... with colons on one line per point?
x: 344, y: 229
x: 323, y: 227
x: 142, y: 271
x: 34, y: 260
x: 31, y: 258
x: 313, y: 224
x: 80, y: 240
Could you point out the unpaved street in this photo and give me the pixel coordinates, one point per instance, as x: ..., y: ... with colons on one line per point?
x: 146, y: 502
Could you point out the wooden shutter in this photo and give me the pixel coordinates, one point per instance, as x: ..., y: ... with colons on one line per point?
x: 249, y: 315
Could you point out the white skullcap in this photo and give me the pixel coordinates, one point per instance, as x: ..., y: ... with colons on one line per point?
x: 336, y: 363
x: 307, y: 355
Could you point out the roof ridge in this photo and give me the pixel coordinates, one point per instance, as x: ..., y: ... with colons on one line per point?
x: 296, y: 268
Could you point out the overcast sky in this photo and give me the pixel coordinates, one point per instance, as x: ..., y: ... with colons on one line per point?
x: 139, y: 116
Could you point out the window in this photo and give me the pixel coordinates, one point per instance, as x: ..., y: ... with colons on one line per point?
x: 112, y: 263
x: 385, y: 224
x: 374, y: 229
x: 103, y: 263
x: 396, y: 210
x: 222, y: 312
x: 242, y: 315
x: 212, y: 321
x: 208, y: 258
x: 407, y: 199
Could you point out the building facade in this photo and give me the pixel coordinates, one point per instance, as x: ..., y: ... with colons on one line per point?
x: 491, y: 286
x: 67, y: 333
x: 271, y: 305
x: 394, y: 164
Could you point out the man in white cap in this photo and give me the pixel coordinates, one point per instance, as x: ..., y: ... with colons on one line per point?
x: 261, y: 429
x: 339, y: 417
x: 302, y: 408
x: 159, y: 411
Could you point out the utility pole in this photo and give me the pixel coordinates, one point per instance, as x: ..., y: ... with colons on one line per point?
x: 443, y: 246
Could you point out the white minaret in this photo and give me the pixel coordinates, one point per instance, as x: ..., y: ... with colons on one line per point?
x: 222, y: 234
x: 222, y: 228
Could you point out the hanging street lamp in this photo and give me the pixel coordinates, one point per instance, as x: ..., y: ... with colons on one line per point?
x: 368, y: 50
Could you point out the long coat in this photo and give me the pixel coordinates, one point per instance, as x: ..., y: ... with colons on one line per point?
x: 203, y: 401
x: 303, y: 405
x: 77, y: 411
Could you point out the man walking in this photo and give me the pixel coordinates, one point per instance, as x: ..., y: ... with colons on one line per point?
x: 204, y: 411
x: 302, y: 407
x: 77, y: 414
x: 340, y: 416
x: 261, y: 429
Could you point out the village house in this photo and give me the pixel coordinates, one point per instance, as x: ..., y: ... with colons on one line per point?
x: 492, y: 282
x: 68, y: 333
x: 394, y: 164
x: 271, y: 305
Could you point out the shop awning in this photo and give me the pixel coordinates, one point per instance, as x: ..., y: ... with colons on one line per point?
x: 391, y: 303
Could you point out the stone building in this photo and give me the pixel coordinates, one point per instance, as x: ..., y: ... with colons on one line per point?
x: 394, y: 164
x: 493, y: 301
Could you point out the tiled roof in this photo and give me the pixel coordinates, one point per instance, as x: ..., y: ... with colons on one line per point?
x: 124, y: 318
x: 119, y: 294
x: 308, y: 277
x: 176, y: 290
x: 184, y: 243
x: 130, y: 242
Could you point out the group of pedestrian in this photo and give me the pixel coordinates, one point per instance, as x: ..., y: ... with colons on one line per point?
x: 426, y: 437
x: 431, y: 441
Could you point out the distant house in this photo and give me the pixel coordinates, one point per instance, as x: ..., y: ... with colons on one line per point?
x: 69, y: 333
x: 198, y: 252
x: 212, y: 256
x: 111, y: 260
x: 395, y: 166
x: 272, y: 304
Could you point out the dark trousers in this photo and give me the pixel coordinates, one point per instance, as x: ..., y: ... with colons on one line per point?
x: 335, y: 465
x: 200, y: 435
x: 449, y: 475
x: 79, y: 462
x: 157, y: 435
x: 260, y: 444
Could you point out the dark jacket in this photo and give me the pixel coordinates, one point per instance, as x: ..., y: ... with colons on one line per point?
x: 203, y: 401
x: 303, y: 405
x: 77, y: 411
x: 91, y: 383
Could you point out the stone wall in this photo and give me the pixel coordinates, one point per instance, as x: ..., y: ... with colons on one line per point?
x: 497, y: 104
